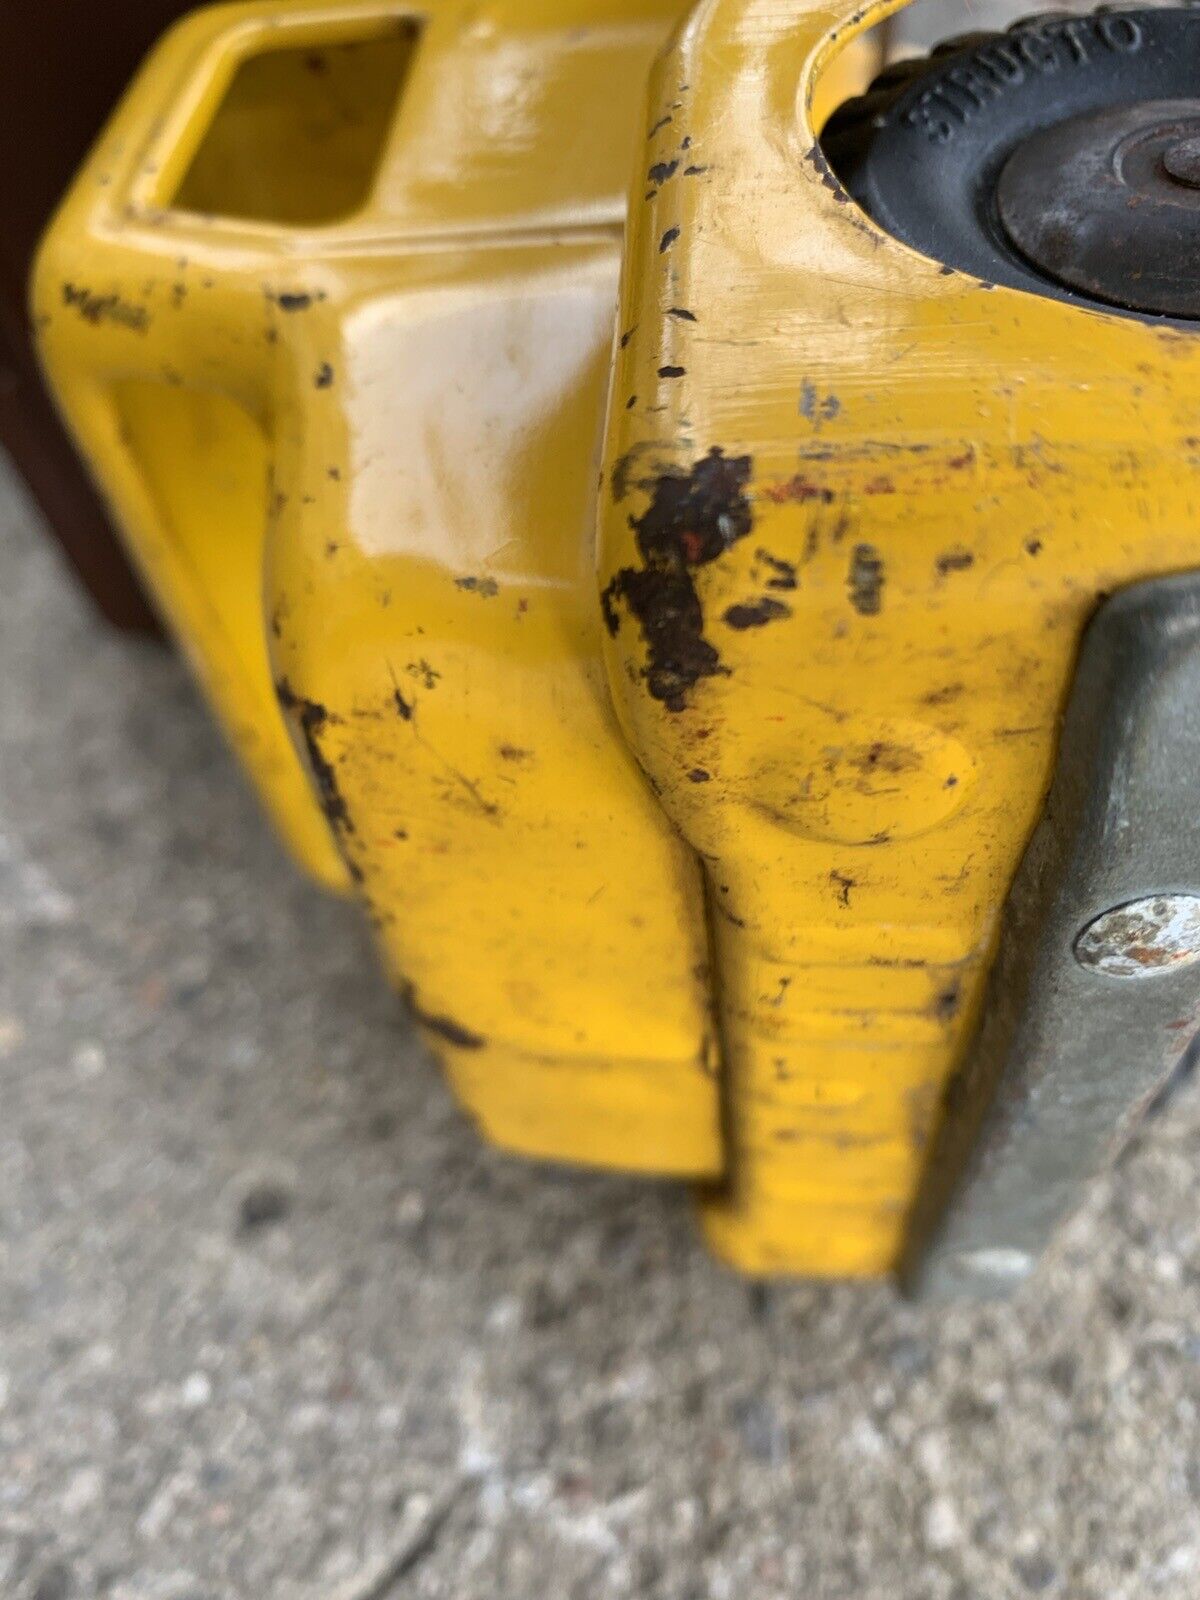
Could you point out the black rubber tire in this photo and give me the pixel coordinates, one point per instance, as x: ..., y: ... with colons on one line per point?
x: 922, y: 150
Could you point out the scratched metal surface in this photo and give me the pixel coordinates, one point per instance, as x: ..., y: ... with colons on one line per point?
x: 274, y: 1323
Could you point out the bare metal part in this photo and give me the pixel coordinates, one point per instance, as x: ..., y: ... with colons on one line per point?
x: 1071, y: 1052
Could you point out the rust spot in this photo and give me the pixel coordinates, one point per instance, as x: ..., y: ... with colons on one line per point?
x: 756, y: 613
x: 783, y: 572
x: 943, y: 696
x: 422, y: 671
x: 866, y: 580
x: 800, y: 489
x: 692, y: 519
x: 880, y: 485
x: 1033, y: 547
x: 956, y: 560
x: 486, y: 588
x: 843, y: 885
x: 514, y: 752
x: 98, y: 308
x: 698, y: 775
x: 313, y: 718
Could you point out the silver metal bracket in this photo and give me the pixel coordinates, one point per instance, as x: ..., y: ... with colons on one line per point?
x: 1094, y: 1000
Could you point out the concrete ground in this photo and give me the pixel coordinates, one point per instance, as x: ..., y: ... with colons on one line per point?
x: 274, y: 1326
x: 924, y: 23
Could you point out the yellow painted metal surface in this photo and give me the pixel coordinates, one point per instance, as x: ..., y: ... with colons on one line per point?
x: 895, y: 495
x: 330, y: 311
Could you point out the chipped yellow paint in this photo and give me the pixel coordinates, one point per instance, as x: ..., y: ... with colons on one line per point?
x: 854, y: 515
x: 349, y: 417
x: 926, y: 485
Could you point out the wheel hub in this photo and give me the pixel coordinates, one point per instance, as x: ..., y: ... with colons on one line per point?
x: 1062, y: 158
x: 1108, y: 203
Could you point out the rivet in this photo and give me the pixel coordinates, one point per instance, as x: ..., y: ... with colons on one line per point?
x: 1142, y: 937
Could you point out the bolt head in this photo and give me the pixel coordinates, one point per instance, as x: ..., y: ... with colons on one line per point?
x: 1182, y: 162
x: 1142, y: 938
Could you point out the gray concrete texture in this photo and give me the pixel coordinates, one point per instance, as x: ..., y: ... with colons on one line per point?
x: 274, y: 1325
x: 927, y: 22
